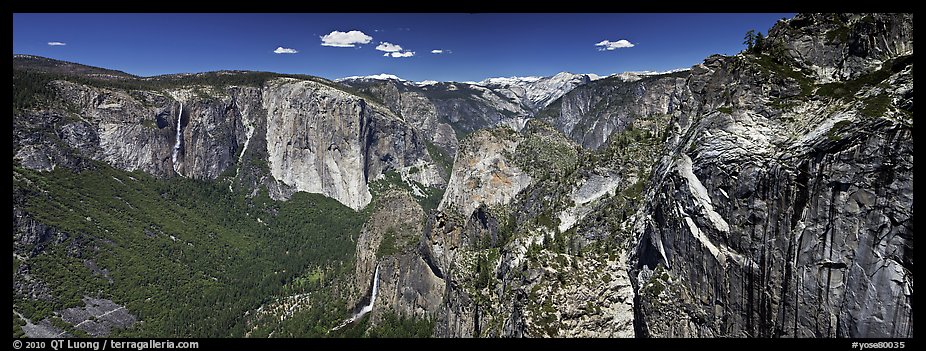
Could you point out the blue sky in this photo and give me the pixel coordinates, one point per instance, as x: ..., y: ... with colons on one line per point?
x: 475, y: 46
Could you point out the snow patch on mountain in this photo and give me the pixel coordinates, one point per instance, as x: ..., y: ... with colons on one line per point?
x: 632, y: 76
x: 509, y: 80
x: 535, y: 93
x: 381, y: 76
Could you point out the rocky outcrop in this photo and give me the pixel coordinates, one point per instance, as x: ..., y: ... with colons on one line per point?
x: 766, y: 194
x: 521, y: 287
x: 510, y: 272
x: 836, y: 47
x: 788, y: 212
x: 483, y: 174
x: 777, y: 207
x: 591, y: 113
x: 98, y: 317
x: 390, y: 241
x: 588, y: 297
x: 409, y: 288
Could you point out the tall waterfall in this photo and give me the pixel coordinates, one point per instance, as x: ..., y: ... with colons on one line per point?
x: 366, y: 309
x: 177, y: 143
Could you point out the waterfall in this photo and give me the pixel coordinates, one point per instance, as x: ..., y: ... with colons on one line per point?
x: 250, y: 133
x: 366, y: 309
x: 177, y: 143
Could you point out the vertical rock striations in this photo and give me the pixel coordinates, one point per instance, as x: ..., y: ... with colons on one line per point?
x: 309, y: 136
x: 766, y: 194
x: 782, y: 206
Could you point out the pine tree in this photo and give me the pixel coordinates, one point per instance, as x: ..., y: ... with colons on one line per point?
x: 749, y: 39
x: 759, y: 43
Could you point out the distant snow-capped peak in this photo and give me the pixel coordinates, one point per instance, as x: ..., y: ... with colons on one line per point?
x: 538, y: 92
x: 631, y: 76
x: 531, y: 92
x: 509, y: 80
x: 545, y: 91
x: 381, y: 76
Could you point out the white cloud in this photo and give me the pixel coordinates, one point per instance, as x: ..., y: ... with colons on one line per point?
x: 612, y: 45
x: 56, y: 43
x: 345, y: 39
x: 393, y: 50
x: 400, y: 54
x: 388, y: 47
x: 282, y: 50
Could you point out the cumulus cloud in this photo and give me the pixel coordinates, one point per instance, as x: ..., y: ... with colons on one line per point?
x: 613, y: 45
x: 441, y: 51
x: 400, y: 54
x: 282, y: 50
x: 56, y: 43
x: 393, y: 50
x: 388, y: 47
x: 345, y: 39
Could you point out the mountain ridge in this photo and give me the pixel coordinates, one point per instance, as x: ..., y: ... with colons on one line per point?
x: 763, y: 194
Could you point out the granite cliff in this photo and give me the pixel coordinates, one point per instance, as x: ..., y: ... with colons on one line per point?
x: 764, y: 194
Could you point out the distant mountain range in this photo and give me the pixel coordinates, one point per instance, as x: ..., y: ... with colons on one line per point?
x: 764, y: 194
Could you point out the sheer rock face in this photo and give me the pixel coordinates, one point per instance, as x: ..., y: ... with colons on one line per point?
x: 765, y: 220
x: 773, y: 196
x: 295, y: 135
x: 775, y: 209
x: 390, y: 239
x: 316, y: 140
x: 844, y: 46
x: 445, y: 110
x: 413, y: 105
x: 811, y: 245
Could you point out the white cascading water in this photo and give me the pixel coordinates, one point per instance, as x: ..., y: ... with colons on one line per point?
x: 366, y: 309
x: 177, y: 143
x: 250, y: 133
